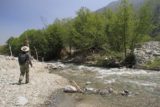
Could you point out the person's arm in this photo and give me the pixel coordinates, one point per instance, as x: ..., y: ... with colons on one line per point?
x: 18, y: 59
x: 30, y: 62
x: 29, y: 59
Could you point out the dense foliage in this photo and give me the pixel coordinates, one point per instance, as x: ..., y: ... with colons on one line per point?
x: 108, y: 31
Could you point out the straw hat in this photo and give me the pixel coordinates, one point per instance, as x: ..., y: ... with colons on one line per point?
x: 25, y: 48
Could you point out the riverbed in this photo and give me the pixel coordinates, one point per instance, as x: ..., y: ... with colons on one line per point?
x: 143, y: 85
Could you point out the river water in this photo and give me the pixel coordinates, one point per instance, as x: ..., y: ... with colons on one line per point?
x: 144, y: 86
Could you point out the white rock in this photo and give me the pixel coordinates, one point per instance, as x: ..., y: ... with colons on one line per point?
x: 70, y: 89
x: 88, y: 82
x: 90, y: 90
x: 21, y: 101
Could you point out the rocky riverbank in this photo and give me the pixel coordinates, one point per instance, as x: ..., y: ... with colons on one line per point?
x: 149, y: 51
x: 36, y: 93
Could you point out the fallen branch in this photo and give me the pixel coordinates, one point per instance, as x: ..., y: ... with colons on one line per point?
x: 77, y: 86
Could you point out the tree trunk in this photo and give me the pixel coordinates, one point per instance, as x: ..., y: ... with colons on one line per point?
x: 10, y: 48
x: 36, y: 53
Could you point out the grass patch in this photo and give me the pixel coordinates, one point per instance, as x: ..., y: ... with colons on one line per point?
x: 153, y: 64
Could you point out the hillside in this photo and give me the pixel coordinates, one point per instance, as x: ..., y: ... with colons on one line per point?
x: 137, y: 4
x: 113, y: 5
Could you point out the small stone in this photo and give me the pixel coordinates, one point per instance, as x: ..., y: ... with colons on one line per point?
x: 125, y: 93
x: 110, y: 90
x: 88, y: 82
x: 69, y: 89
x: 103, y: 92
x: 91, y: 90
x: 21, y: 101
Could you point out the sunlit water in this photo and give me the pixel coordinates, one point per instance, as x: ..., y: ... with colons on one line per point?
x: 145, y: 86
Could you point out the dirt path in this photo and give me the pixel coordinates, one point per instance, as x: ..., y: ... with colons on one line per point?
x: 41, y: 86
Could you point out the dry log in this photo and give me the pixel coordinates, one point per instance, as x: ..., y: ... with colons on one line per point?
x: 77, y: 86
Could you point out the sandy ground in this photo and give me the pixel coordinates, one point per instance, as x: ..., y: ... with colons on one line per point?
x: 41, y: 86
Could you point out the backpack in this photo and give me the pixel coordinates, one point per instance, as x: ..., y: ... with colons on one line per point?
x: 22, y: 58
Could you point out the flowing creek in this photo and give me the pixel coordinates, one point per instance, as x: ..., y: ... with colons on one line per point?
x: 144, y: 86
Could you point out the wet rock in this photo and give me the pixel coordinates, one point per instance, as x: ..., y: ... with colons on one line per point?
x: 103, y: 92
x: 125, y: 93
x: 91, y: 90
x: 70, y: 89
x: 130, y: 60
x: 78, y: 59
x: 111, y: 63
x: 110, y: 90
x: 106, y: 91
x: 88, y: 82
x: 21, y: 101
x: 55, y: 66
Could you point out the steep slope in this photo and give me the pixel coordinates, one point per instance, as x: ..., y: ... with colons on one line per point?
x: 137, y: 4
x: 113, y: 5
x: 156, y: 16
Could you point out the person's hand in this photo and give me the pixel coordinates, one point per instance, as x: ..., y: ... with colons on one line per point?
x: 31, y: 65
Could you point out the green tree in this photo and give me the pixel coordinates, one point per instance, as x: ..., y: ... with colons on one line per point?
x: 154, y: 6
x: 15, y: 45
x: 67, y: 33
x: 4, y: 50
x: 125, y: 24
x: 38, y: 44
x: 54, y: 35
x: 88, y: 30
x: 111, y: 30
x: 143, y: 25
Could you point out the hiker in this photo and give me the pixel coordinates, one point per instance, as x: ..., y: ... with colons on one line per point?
x: 24, y: 60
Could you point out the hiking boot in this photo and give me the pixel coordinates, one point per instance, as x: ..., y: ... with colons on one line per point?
x: 27, y: 82
x: 19, y: 83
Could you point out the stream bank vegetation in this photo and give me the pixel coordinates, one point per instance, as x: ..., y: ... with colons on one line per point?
x: 153, y: 65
